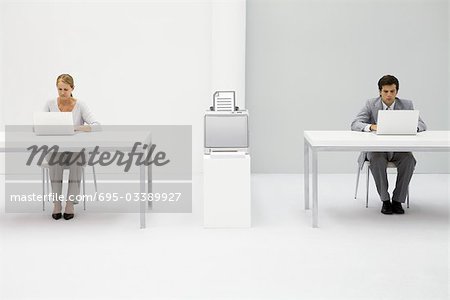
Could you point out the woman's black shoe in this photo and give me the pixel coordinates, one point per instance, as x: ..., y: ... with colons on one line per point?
x: 68, y: 216
x: 57, y: 216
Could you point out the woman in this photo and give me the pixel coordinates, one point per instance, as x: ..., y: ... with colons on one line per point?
x: 83, y: 120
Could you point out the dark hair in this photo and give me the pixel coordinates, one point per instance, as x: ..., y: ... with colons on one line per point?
x: 388, y: 80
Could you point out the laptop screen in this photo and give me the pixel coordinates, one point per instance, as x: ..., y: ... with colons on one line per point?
x: 397, y: 122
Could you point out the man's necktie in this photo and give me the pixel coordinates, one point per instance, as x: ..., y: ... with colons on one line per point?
x: 389, y: 154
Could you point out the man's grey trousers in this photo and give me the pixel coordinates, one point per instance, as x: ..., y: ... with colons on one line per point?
x: 405, y: 163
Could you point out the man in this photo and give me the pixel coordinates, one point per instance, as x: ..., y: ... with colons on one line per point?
x: 388, y: 87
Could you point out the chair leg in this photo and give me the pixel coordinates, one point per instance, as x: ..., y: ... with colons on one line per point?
x: 367, y: 187
x: 407, y: 198
x: 357, y: 181
x: 49, y: 190
x: 95, y: 182
x: 84, y: 188
x: 43, y: 189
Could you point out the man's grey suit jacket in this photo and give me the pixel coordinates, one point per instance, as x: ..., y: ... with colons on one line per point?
x: 369, y: 115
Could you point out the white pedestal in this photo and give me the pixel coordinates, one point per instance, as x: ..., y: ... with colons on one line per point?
x: 226, y: 190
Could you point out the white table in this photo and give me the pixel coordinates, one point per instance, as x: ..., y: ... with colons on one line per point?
x: 107, y: 140
x: 316, y: 141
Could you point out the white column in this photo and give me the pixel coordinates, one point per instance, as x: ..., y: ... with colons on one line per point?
x: 228, y: 48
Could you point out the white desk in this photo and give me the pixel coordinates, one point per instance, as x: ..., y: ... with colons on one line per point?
x: 315, y: 141
x: 106, y: 140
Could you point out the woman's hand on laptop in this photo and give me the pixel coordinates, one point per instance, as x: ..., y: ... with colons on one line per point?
x: 85, y: 128
x: 373, y: 127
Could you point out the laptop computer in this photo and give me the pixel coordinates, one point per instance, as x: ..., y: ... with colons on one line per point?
x: 397, y: 122
x: 53, y: 123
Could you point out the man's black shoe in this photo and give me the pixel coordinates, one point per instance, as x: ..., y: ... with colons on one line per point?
x: 68, y: 216
x: 386, y: 208
x: 397, y: 208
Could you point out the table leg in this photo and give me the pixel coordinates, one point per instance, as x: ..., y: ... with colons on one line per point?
x: 315, y: 204
x: 142, y: 202
x: 306, y: 172
x: 149, y: 184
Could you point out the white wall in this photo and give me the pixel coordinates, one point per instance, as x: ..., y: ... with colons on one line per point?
x: 150, y: 62
x: 311, y: 64
x: 140, y: 62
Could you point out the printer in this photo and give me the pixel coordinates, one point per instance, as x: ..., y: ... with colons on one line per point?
x: 226, y: 131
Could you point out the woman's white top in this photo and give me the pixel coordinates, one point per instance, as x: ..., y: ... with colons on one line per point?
x: 80, y: 113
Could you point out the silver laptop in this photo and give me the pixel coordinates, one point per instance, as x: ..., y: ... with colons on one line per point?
x: 400, y: 122
x: 53, y: 123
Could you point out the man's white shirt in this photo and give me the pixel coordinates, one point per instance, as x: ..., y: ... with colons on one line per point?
x: 385, y: 107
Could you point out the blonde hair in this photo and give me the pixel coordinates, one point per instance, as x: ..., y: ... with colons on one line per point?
x: 67, y: 79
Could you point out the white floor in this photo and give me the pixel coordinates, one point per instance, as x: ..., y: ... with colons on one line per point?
x: 357, y: 253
